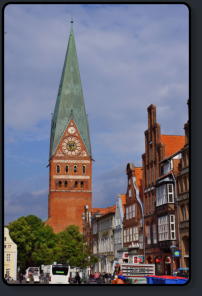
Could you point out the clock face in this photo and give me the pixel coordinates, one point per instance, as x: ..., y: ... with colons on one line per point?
x: 71, y: 130
x: 71, y: 146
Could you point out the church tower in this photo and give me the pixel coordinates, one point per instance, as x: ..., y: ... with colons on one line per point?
x: 70, y: 163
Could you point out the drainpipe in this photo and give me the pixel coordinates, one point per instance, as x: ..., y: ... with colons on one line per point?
x: 177, y: 216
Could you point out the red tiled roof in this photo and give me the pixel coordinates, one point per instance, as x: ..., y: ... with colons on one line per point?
x: 138, y: 176
x: 111, y: 210
x: 172, y: 143
x: 100, y: 210
x: 123, y: 198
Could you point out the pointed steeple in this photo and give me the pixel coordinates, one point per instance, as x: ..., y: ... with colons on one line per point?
x: 70, y: 102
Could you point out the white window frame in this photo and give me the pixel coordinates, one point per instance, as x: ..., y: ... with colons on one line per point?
x: 148, y: 174
x: 141, y: 241
x: 154, y: 234
x: 153, y: 203
x: 172, y: 227
x: 135, y: 233
x: 127, y: 233
x: 148, y: 235
x: 170, y: 193
x: 111, y: 243
x: 133, y: 210
x: 8, y: 257
x: 131, y: 234
x: 130, y: 215
x: 163, y: 228
x: 126, y: 213
x: 124, y: 236
x: 129, y: 193
x: 150, y: 204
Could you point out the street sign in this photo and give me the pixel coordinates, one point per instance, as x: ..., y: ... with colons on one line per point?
x: 177, y: 254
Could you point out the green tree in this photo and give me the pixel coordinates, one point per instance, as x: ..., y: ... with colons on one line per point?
x: 72, y: 248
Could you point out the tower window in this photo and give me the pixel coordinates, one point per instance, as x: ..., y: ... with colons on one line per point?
x: 60, y: 184
x: 65, y: 184
x: 75, y: 169
x: 76, y: 184
x: 81, y: 184
x: 84, y: 169
x: 66, y: 168
x: 58, y: 168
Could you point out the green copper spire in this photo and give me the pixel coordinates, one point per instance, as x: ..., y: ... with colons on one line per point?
x: 70, y: 102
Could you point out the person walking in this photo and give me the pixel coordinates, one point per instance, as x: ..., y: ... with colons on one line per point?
x: 31, y: 280
x: 6, y: 278
x: 106, y: 277
x: 78, y: 279
x: 20, y: 278
x: 96, y: 275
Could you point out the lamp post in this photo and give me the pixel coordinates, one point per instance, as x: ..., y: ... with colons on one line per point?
x: 173, y: 248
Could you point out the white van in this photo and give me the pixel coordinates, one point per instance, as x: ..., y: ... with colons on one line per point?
x: 57, y: 274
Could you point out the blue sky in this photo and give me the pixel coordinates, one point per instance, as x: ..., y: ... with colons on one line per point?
x: 130, y: 56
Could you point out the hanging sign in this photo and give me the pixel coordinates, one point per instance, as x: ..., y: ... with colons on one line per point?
x: 158, y: 260
x: 177, y: 254
x: 168, y: 260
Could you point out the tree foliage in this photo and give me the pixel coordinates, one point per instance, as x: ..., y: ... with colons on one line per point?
x: 38, y: 244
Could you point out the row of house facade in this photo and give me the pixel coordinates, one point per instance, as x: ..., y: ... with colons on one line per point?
x: 154, y: 212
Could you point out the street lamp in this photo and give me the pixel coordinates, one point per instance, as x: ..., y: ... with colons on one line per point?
x: 173, y: 248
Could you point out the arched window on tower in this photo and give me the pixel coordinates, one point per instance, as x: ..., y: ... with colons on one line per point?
x: 66, y: 168
x: 84, y: 169
x: 58, y: 168
x: 75, y: 168
x: 60, y: 184
x: 76, y: 184
x: 81, y: 184
x: 66, y: 184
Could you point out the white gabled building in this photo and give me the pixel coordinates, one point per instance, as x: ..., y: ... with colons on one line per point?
x: 10, y: 256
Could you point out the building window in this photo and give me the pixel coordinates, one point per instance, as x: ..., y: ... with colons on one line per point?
x: 149, y: 204
x: 130, y: 216
x: 184, y: 213
x: 181, y: 185
x: 4, y: 238
x: 9, y: 246
x: 146, y: 205
x: 76, y: 184
x: 148, y: 177
x: 8, y: 272
x: 141, y: 241
x: 127, y: 235
x: 81, y: 184
x: 66, y: 168
x: 129, y: 182
x: 152, y: 175
x: 184, y: 160
x: 111, y: 243
x: 151, y: 154
x: 156, y: 171
x: 60, y: 184
x: 163, y: 229
x: 84, y: 169
x: 148, y: 235
x: 154, y: 234
x: 153, y: 203
x: 172, y: 227
x: 131, y: 234
x: 185, y: 184
x: 4, y: 246
x: 135, y: 233
x: 133, y: 210
x: 8, y: 257
x: 161, y: 197
x: 129, y: 193
x: 127, y: 213
x: 75, y: 169
x: 140, y: 222
x: 170, y: 193
x: 124, y: 236
x: 58, y: 169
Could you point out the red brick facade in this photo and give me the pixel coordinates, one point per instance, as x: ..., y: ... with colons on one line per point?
x: 69, y: 189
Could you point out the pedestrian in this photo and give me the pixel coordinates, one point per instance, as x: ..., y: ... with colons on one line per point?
x: 106, y: 278
x: 6, y: 278
x: 96, y: 275
x: 20, y: 278
x: 31, y: 279
x: 84, y: 279
x: 121, y: 278
x: 78, y: 279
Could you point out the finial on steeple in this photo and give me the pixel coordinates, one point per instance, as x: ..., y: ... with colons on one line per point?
x: 72, y: 19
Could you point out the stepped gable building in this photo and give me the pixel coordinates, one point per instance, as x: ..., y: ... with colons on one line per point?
x: 70, y: 162
x: 183, y: 199
x: 132, y: 222
x: 159, y: 151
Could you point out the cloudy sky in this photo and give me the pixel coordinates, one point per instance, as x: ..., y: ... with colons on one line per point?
x: 130, y: 56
